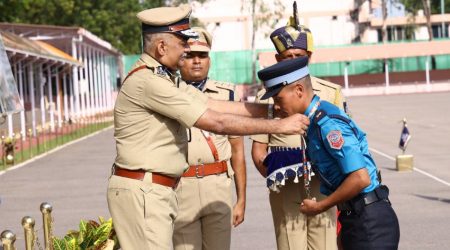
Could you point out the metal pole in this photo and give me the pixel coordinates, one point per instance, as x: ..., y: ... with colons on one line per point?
x: 28, y: 227
x: 8, y: 238
x: 46, y: 210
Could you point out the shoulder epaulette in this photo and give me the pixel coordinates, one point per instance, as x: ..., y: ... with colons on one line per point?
x: 320, y: 114
x: 137, y: 69
x: 231, y: 88
x: 327, y: 83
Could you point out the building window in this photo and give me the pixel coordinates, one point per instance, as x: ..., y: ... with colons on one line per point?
x: 438, y: 32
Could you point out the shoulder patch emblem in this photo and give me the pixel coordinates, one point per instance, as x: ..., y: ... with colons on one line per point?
x: 335, y: 139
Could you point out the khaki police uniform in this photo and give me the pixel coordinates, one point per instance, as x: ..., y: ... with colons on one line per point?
x: 294, y: 230
x: 151, y: 114
x: 204, y: 218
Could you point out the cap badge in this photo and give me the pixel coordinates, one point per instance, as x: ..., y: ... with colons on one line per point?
x: 189, y: 33
x: 289, y: 42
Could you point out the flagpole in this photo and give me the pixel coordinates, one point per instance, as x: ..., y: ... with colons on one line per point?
x: 404, y: 162
x: 404, y: 125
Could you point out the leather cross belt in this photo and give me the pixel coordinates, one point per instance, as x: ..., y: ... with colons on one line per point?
x: 139, y: 174
x: 206, y: 169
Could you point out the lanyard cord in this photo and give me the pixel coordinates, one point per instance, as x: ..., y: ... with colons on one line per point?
x: 306, y: 164
x: 306, y: 169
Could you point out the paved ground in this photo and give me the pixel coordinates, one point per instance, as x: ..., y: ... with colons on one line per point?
x: 73, y: 179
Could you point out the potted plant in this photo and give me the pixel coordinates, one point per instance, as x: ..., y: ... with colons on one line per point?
x: 91, y: 235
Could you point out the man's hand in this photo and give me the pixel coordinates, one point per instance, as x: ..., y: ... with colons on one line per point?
x: 294, y: 124
x: 238, y: 213
x: 311, y: 207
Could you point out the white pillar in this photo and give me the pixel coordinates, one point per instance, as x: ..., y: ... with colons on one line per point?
x: 75, y: 83
x: 108, y: 84
x: 386, y: 68
x: 50, y: 99
x: 58, y: 98
x: 91, y: 81
x: 65, y: 99
x: 87, y: 95
x: 10, y: 117
x: 72, y: 100
x: 32, y: 98
x: 102, y: 84
x: 22, y: 113
x: 41, y: 95
x: 105, y: 82
x: 97, y: 83
x: 10, y: 126
x: 82, y: 82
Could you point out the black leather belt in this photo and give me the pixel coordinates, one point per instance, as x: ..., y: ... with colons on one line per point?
x: 357, y: 203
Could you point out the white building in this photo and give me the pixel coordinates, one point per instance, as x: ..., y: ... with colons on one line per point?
x: 332, y: 22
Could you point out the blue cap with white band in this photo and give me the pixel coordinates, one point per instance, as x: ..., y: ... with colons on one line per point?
x: 283, y: 73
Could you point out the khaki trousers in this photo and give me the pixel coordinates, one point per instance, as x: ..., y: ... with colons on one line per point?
x: 205, y: 213
x: 142, y: 213
x: 296, y: 231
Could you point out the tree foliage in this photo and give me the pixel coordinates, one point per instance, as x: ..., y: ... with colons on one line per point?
x: 413, y: 6
x: 112, y: 20
x: 429, y: 7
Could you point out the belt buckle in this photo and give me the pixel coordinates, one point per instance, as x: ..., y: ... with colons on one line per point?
x: 197, y: 172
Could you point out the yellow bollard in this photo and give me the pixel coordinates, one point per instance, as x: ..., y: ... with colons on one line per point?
x: 28, y: 227
x: 405, y: 162
x: 8, y: 238
x: 46, y: 210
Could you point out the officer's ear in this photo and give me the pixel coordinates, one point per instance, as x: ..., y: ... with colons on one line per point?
x: 309, y: 55
x: 278, y: 57
x: 161, y: 44
x: 161, y: 47
x: 299, y: 89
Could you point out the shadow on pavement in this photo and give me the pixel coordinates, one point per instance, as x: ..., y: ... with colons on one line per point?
x: 432, y: 198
